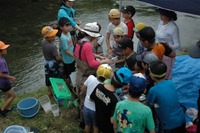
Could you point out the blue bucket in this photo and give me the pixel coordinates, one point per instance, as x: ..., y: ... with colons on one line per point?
x: 28, y: 107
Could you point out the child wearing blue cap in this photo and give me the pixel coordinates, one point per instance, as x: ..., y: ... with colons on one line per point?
x: 131, y: 115
x: 105, y: 99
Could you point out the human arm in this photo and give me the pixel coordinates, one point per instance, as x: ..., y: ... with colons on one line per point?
x: 169, y: 51
x: 114, y: 125
x: 69, y: 53
x: 176, y: 39
x: 108, y: 42
x: 3, y: 75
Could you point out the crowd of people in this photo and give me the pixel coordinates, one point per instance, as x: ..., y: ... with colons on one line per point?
x: 137, y: 94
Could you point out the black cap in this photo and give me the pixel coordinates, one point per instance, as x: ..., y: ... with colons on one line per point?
x: 126, y: 43
x: 128, y: 9
x: 194, y: 51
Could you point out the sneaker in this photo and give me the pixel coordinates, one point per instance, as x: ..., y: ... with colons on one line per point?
x: 3, y: 113
x: 142, y: 98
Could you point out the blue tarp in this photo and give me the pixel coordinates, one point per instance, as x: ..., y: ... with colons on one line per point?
x: 186, y: 76
x: 187, y: 6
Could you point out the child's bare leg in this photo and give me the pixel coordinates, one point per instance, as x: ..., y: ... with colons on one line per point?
x: 10, y: 96
x: 87, y: 128
x: 96, y: 130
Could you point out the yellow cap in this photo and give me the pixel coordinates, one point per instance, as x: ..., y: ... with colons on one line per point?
x: 139, y: 26
x: 104, y: 71
x: 114, y: 13
x: 48, y: 31
x: 3, y: 45
x: 118, y: 31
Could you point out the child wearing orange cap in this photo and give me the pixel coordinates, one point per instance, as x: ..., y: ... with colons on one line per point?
x: 5, y: 81
x: 51, y: 56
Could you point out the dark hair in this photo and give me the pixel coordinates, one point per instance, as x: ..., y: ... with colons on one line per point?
x: 115, y: 83
x: 63, y: 21
x: 158, y: 68
x: 102, y: 79
x: 170, y: 14
x: 135, y: 95
x: 1, y: 50
x: 147, y: 34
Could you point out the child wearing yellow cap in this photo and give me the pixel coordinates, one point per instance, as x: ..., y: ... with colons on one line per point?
x: 5, y: 81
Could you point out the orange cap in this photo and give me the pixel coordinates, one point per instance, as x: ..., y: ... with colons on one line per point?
x: 48, y: 31
x: 3, y: 45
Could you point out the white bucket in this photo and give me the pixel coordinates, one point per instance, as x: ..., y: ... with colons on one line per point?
x: 55, y: 110
x: 45, y: 103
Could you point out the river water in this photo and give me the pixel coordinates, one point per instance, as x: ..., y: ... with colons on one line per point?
x: 22, y: 21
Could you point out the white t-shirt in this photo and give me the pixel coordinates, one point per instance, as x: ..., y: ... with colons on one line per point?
x: 168, y: 33
x: 91, y: 83
x: 110, y: 29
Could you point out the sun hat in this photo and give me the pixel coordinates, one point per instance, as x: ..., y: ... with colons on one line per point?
x: 118, y: 31
x: 194, y: 51
x: 71, y: 0
x: 114, y: 13
x: 123, y: 75
x: 3, y: 45
x: 125, y: 43
x: 128, y: 9
x: 92, y: 29
x: 48, y: 31
x: 139, y: 26
x: 104, y: 71
x: 147, y: 57
x: 170, y: 14
x: 137, y: 84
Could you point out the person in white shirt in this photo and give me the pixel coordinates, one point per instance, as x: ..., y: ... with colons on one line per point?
x: 168, y: 32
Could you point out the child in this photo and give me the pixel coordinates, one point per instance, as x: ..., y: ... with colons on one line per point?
x: 105, y: 99
x: 5, y: 81
x: 114, y: 17
x: 126, y: 45
x: 103, y: 73
x: 163, y: 97
x: 67, y: 49
x: 98, y: 42
x: 130, y: 115
x: 51, y: 56
x: 118, y: 34
x: 128, y: 13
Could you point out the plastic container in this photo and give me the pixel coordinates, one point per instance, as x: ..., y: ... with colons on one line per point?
x: 113, y: 59
x: 15, y: 129
x: 55, y: 110
x: 45, y: 103
x: 28, y: 107
x: 60, y: 89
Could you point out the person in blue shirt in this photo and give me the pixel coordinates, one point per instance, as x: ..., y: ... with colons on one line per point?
x: 67, y: 10
x: 163, y: 97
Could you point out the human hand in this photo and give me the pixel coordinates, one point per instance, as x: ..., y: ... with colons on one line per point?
x: 12, y: 78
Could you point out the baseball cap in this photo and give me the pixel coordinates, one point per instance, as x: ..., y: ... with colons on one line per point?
x: 125, y: 43
x: 147, y: 57
x: 128, y: 9
x: 48, y: 31
x: 146, y: 34
x: 104, y: 71
x: 118, y: 31
x: 194, y: 51
x: 137, y: 84
x: 3, y: 45
x: 139, y: 26
x: 114, y: 13
x: 123, y: 75
x: 92, y: 29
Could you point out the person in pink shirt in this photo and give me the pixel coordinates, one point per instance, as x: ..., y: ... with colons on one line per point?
x: 85, y: 58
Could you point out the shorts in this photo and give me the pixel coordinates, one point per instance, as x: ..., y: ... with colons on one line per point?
x: 5, y: 89
x: 68, y: 69
x: 52, y: 69
x: 89, y: 116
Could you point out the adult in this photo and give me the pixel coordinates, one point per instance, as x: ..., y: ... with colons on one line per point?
x: 67, y: 10
x: 168, y: 32
x: 85, y: 58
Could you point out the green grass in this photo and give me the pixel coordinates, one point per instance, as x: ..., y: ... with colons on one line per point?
x: 66, y: 122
